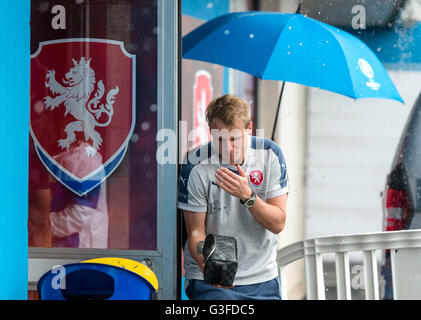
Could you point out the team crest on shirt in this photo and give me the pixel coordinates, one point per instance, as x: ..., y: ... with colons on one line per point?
x: 256, y: 177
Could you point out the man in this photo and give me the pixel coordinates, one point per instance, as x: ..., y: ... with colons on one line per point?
x: 235, y: 185
x: 79, y: 222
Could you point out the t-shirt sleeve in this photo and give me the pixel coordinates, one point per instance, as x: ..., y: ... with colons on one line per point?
x: 192, y: 193
x: 278, y: 178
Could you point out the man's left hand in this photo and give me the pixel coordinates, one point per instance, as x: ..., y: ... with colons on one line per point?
x: 234, y: 184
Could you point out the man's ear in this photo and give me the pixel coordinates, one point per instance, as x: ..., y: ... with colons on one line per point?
x: 250, y: 126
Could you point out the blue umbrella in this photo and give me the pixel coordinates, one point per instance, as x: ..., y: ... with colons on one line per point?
x: 294, y: 48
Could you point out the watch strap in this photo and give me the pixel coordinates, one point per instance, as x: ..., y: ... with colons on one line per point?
x: 253, y: 195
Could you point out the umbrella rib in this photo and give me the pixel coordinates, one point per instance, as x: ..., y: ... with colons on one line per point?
x: 218, y: 22
x: 346, y: 61
x: 276, y: 43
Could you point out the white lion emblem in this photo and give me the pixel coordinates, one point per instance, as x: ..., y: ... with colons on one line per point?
x: 256, y: 177
x: 80, y: 81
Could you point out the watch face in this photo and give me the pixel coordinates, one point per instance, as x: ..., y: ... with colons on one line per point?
x: 250, y: 202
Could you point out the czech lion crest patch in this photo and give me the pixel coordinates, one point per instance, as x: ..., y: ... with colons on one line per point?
x: 82, y: 108
x: 256, y: 177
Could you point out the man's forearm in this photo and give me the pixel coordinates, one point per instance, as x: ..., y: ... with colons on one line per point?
x: 195, y: 244
x: 269, y: 216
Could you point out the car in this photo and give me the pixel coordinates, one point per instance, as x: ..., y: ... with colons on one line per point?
x: 402, y: 194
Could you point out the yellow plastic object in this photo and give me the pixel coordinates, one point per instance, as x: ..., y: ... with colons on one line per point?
x: 130, y: 265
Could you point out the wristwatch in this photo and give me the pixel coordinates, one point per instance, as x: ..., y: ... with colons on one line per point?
x: 250, y: 201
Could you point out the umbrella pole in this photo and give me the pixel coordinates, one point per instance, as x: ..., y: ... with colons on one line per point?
x: 277, y: 111
x: 282, y: 90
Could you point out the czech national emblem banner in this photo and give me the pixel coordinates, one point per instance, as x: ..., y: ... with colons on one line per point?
x: 82, y: 108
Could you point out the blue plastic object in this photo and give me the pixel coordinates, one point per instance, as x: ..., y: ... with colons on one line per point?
x: 14, y: 125
x: 94, y: 281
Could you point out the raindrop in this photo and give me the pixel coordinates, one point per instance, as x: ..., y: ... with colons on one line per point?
x: 153, y: 107
x: 144, y: 126
x: 39, y: 107
x: 43, y: 6
x: 227, y: 32
x: 251, y: 35
x: 209, y: 5
x: 289, y: 27
x: 324, y: 64
x: 301, y: 44
x: 147, y: 46
x: 379, y: 49
x: 135, y: 138
x: 289, y: 52
x: 131, y: 47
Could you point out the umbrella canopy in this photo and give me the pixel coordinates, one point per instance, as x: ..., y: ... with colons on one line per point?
x: 294, y: 48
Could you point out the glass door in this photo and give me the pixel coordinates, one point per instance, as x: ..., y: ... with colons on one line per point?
x: 102, y: 88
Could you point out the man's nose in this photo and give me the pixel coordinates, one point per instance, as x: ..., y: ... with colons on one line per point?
x: 232, y: 146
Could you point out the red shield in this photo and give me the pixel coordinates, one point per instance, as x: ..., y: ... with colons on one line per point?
x: 82, y: 108
x: 256, y: 177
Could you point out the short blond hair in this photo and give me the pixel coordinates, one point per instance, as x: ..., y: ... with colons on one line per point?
x: 228, y: 108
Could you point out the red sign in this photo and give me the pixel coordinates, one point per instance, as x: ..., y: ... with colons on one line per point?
x: 202, y: 96
x: 256, y: 177
x: 82, y: 108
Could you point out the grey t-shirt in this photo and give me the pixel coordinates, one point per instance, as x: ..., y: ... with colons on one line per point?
x: 266, y: 170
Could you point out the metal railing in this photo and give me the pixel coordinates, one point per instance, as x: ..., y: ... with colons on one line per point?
x: 313, y: 249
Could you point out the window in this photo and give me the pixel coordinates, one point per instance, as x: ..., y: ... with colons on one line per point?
x: 93, y: 169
